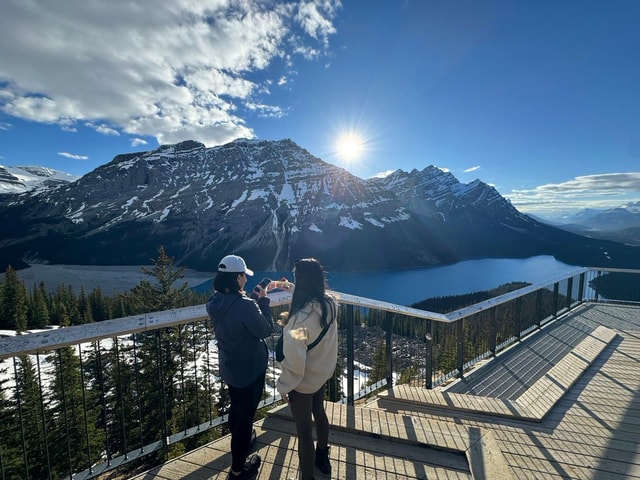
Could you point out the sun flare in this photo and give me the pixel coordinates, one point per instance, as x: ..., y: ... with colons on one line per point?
x: 349, y: 147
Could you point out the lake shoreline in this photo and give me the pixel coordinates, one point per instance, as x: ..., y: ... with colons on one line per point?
x: 402, y: 286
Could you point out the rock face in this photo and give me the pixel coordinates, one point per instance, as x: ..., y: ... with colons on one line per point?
x: 273, y: 202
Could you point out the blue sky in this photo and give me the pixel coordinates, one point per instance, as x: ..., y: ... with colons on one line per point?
x: 537, y: 98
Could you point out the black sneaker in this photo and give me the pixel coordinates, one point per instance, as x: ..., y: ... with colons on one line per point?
x: 250, y: 470
x: 322, y: 460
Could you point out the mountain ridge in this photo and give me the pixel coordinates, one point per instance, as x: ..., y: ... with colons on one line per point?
x: 274, y: 202
x: 22, y: 179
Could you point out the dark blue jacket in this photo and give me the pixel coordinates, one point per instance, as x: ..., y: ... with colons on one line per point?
x: 240, y: 324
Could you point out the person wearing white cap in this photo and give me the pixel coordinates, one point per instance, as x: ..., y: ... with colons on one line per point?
x: 240, y: 324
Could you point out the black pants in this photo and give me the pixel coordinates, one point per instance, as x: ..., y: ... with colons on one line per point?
x: 302, y: 406
x: 244, y: 403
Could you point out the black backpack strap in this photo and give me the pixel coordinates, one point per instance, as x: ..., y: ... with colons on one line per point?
x: 324, y: 330
x: 317, y: 340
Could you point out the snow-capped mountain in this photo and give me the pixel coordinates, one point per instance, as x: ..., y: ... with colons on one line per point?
x: 25, y: 179
x: 621, y: 224
x: 624, y: 216
x: 273, y: 202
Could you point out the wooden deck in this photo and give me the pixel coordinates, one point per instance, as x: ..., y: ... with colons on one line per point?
x: 579, y: 419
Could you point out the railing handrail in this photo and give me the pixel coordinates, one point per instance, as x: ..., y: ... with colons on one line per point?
x: 507, y: 297
x: 73, y: 335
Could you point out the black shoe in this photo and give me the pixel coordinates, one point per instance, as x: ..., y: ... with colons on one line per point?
x: 322, y: 460
x: 250, y: 470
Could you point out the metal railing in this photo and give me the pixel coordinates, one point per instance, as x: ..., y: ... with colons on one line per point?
x: 82, y: 400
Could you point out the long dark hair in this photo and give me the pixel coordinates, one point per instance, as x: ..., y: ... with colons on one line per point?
x: 310, y: 285
x: 227, y: 282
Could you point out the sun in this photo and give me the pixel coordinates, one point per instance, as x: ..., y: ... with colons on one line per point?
x: 349, y: 147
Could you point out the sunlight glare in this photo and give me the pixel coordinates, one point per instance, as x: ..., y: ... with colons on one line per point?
x: 349, y: 147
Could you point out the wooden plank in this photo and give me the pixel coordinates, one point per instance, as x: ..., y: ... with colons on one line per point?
x: 487, y: 461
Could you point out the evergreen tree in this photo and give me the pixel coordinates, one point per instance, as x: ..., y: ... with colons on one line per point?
x: 13, y: 465
x: 379, y: 363
x: 160, y: 352
x: 161, y: 294
x: 408, y: 374
x: 100, y: 305
x: 76, y: 442
x: 33, y: 423
x: 85, y: 314
x: 38, y: 308
x: 112, y: 380
x: 64, y: 306
x: 14, y: 302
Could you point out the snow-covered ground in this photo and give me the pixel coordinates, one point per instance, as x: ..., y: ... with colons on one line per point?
x: 110, y: 279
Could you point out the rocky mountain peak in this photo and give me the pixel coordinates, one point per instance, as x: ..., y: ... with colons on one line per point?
x: 272, y: 202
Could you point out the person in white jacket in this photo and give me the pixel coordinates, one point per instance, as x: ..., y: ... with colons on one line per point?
x: 310, y: 346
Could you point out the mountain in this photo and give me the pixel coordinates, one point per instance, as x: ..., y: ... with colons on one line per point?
x: 25, y: 179
x: 621, y: 224
x: 274, y: 202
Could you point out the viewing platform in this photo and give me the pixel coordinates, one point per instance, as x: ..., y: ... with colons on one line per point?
x: 579, y: 420
x: 541, y: 382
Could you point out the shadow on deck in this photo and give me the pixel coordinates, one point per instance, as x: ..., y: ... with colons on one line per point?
x: 578, y: 418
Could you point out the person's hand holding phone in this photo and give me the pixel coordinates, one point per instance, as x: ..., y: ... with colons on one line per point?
x: 262, y: 287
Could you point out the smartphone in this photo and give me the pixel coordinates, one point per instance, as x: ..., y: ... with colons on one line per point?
x: 263, y: 283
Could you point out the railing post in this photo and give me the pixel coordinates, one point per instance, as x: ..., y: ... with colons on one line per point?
x: 597, y: 283
x: 163, y: 392
x: 581, y: 288
x: 428, y: 367
x: 388, y: 327
x: 539, y: 308
x: 569, y: 292
x: 492, y: 332
x: 21, y: 420
x: 516, y: 321
x: 350, y: 354
x: 460, y: 329
x: 556, y: 286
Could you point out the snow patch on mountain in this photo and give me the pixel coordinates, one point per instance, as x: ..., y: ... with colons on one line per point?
x: 29, y: 178
x: 349, y: 222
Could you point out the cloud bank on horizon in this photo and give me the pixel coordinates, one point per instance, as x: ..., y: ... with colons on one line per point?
x: 571, y: 195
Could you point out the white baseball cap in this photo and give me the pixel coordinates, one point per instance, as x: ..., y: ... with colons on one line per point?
x: 235, y: 264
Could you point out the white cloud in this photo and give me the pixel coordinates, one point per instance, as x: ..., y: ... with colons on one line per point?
x: 136, y: 142
x: 384, y: 174
x: 73, y: 156
x: 103, y: 129
x: 594, y: 191
x: 172, y: 69
x: 266, y: 110
x: 471, y: 169
x: 313, y: 20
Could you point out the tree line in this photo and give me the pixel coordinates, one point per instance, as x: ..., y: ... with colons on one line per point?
x: 65, y: 410
x: 24, y: 309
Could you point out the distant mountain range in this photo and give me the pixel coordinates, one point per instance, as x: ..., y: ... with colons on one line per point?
x: 274, y: 202
x: 621, y: 224
x: 26, y: 179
